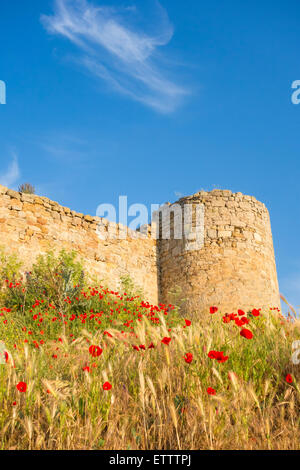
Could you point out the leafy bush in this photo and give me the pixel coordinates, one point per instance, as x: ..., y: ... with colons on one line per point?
x: 53, y: 278
x: 10, y: 266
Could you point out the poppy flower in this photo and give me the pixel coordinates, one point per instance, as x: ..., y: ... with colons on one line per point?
x: 151, y: 346
x: 221, y: 358
x: 241, y: 312
x: 166, y: 340
x: 241, y: 321
x: 246, y: 333
x: 95, y: 351
x: 255, y: 312
x: 211, y: 391
x: 86, y: 368
x: 226, y: 319
x: 289, y: 379
x: 218, y: 355
x: 107, y: 333
x: 213, y: 309
x: 212, y: 354
x: 188, y: 322
x: 22, y: 387
x: 188, y: 357
x: 107, y: 386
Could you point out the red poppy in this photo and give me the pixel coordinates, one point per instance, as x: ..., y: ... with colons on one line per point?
x: 221, y: 358
x: 289, y: 379
x: 241, y: 321
x: 107, y: 386
x: 14, y: 403
x: 166, y: 340
x: 151, y: 346
x: 188, y: 357
x: 211, y: 391
x: 241, y: 312
x: 95, y: 351
x: 212, y: 354
x: 86, y: 368
x: 213, y: 309
x: 218, y: 355
x: 107, y: 333
x: 22, y: 387
x: 255, y: 312
x: 226, y: 318
x: 246, y: 333
x: 188, y: 322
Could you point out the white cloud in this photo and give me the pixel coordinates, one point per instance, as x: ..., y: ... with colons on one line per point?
x: 63, y: 146
x: 12, y: 174
x: 116, y: 51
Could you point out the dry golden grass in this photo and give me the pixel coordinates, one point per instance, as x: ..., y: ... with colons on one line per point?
x: 157, y: 400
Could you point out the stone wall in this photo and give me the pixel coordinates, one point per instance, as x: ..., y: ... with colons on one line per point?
x: 234, y: 268
x: 228, y: 261
x: 30, y: 225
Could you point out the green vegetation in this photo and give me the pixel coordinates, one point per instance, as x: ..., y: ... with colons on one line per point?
x: 91, y: 368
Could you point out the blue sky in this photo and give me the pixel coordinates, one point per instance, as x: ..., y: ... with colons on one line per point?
x: 154, y: 100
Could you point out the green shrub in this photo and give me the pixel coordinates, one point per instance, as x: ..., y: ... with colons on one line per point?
x: 10, y: 266
x: 52, y: 277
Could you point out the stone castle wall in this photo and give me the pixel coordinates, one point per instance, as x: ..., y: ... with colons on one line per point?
x: 234, y: 266
x: 30, y: 225
x: 228, y: 261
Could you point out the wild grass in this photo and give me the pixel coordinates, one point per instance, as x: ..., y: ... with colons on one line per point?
x: 157, y: 399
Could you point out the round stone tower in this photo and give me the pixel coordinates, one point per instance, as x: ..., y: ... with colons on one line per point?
x: 225, y: 257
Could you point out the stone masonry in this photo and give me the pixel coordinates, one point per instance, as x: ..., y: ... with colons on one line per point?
x: 232, y: 266
x: 235, y: 268
x: 30, y: 225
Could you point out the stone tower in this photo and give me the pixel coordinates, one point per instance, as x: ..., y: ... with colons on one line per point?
x: 228, y: 259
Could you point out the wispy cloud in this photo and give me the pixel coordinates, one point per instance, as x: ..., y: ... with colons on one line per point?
x: 114, y: 49
x: 11, y: 174
x: 63, y: 146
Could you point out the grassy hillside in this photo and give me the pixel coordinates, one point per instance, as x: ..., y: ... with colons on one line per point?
x: 85, y: 367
